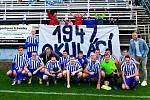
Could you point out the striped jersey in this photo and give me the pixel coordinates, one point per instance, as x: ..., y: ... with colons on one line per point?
x: 32, y: 43
x: 128, y: 69
x: 20, y: 60
x: 73, y: 67
x: 50, y: 66
x: 99, y: 58
x: 93, y: 67
x: 34, y: 64
x: 63, y: 61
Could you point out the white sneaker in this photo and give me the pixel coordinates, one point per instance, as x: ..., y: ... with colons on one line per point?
x: 14, y: 82
x: 144, y: 83
x: 47, y: 83
x: 68, y: 86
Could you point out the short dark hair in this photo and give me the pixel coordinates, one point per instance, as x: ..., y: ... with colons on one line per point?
x: 125, y: 49
x: 135, y: 32
x: 127, y: 56
x: 97, y: 49
x: 80, y: 52
x: 65, y: 51
x: 20, y: 47
x: 34, y: 52
x: 108, y: 49
x: 71, y: 56
x: 106, y: 55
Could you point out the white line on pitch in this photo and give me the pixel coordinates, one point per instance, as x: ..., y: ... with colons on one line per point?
x: 73, y: 94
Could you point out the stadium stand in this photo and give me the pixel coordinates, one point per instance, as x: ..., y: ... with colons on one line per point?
x: 130, y: 17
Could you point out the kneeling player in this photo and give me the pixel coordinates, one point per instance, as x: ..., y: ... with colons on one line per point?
x: 34, y: 66
x: 93, y: 70
x: 129, y: 73
x: 111, y: 73
x: 52, y: 70
x: 17, y: 66
x: 74, y: 69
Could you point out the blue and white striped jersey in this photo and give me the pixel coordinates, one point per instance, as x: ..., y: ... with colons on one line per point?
x: 93, y: 67
x: 34, y: 64
x: 32, y: 43
x: 73, y: 67
x: 128, y: 69
x: 20, y: 61
x: 63, y: 61
x: 50, y: 66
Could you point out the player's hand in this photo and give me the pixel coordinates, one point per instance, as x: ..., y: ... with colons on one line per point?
x: 91, y: 73
x: 34, y: 72
x: 98, y: 87
x: 127, y: 76
x: 73, y: 73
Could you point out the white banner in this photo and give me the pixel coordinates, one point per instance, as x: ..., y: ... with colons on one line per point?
x: 76, y: 38
x: 15, y: 31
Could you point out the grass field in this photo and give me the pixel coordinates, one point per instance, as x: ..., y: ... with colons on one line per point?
x: 60, y: 92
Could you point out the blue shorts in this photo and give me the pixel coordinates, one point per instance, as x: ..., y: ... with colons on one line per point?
x: 129, y: 80
x: 29, y: 54
x: 39, y: 74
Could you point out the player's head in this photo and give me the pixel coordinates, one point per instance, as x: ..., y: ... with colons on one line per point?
x: 97, y: 52
x: 93, y: 58
x: 106, y: 57
x: 108, y: 51
x: 34, y: 55
x: 72, y: 59
x: 125, y: 52
x: 53, y: 60
x: 33, y: 31
x: 127, y: 59
x: 48, y: 50
x: 20, y: 50
x: 65, y: 53
x: 80, y: 54
x: 135, y: 35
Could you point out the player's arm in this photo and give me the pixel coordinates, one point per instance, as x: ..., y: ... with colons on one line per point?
x: 99, y: 79
x: 86, y: 70
x: 123, y: 77
x: 49, y: 14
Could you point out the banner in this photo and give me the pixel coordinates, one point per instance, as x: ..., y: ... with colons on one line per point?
x: 15, y: 31
x: 76, y: 38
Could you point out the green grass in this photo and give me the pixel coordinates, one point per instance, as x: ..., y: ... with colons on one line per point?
x: 5, y: 84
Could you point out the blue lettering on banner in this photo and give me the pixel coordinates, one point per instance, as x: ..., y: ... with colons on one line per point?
x: 66, y: 37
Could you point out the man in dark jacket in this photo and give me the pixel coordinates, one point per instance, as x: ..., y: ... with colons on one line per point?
x: 47, y: 54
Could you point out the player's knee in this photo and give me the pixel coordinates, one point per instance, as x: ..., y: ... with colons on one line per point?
x: 123, y: 86
x: 59, y: 75
x: 136, y: 78
x: 80, y: 74
x: 64, y: 73
x: 14, y: 73
x: 9, y: 73
x: 102, y: 73
x: 29, y: 74
x: 84, y: 75
x: 45, y: 77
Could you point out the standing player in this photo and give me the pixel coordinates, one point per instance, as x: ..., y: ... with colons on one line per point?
x: 18, y: 64
x: 83, y: 60
x: 138, y: 49
x: 64, y: 60
x: 34, y: 66
x: 74, y: 69
x: 122, y: 58
x: 32, y: 43
x: 52, y: 70
x: 110, y: 69
x: 99, y: 57
x: 108, y: 51
x: 93, y: 70
x: 129, y: 73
